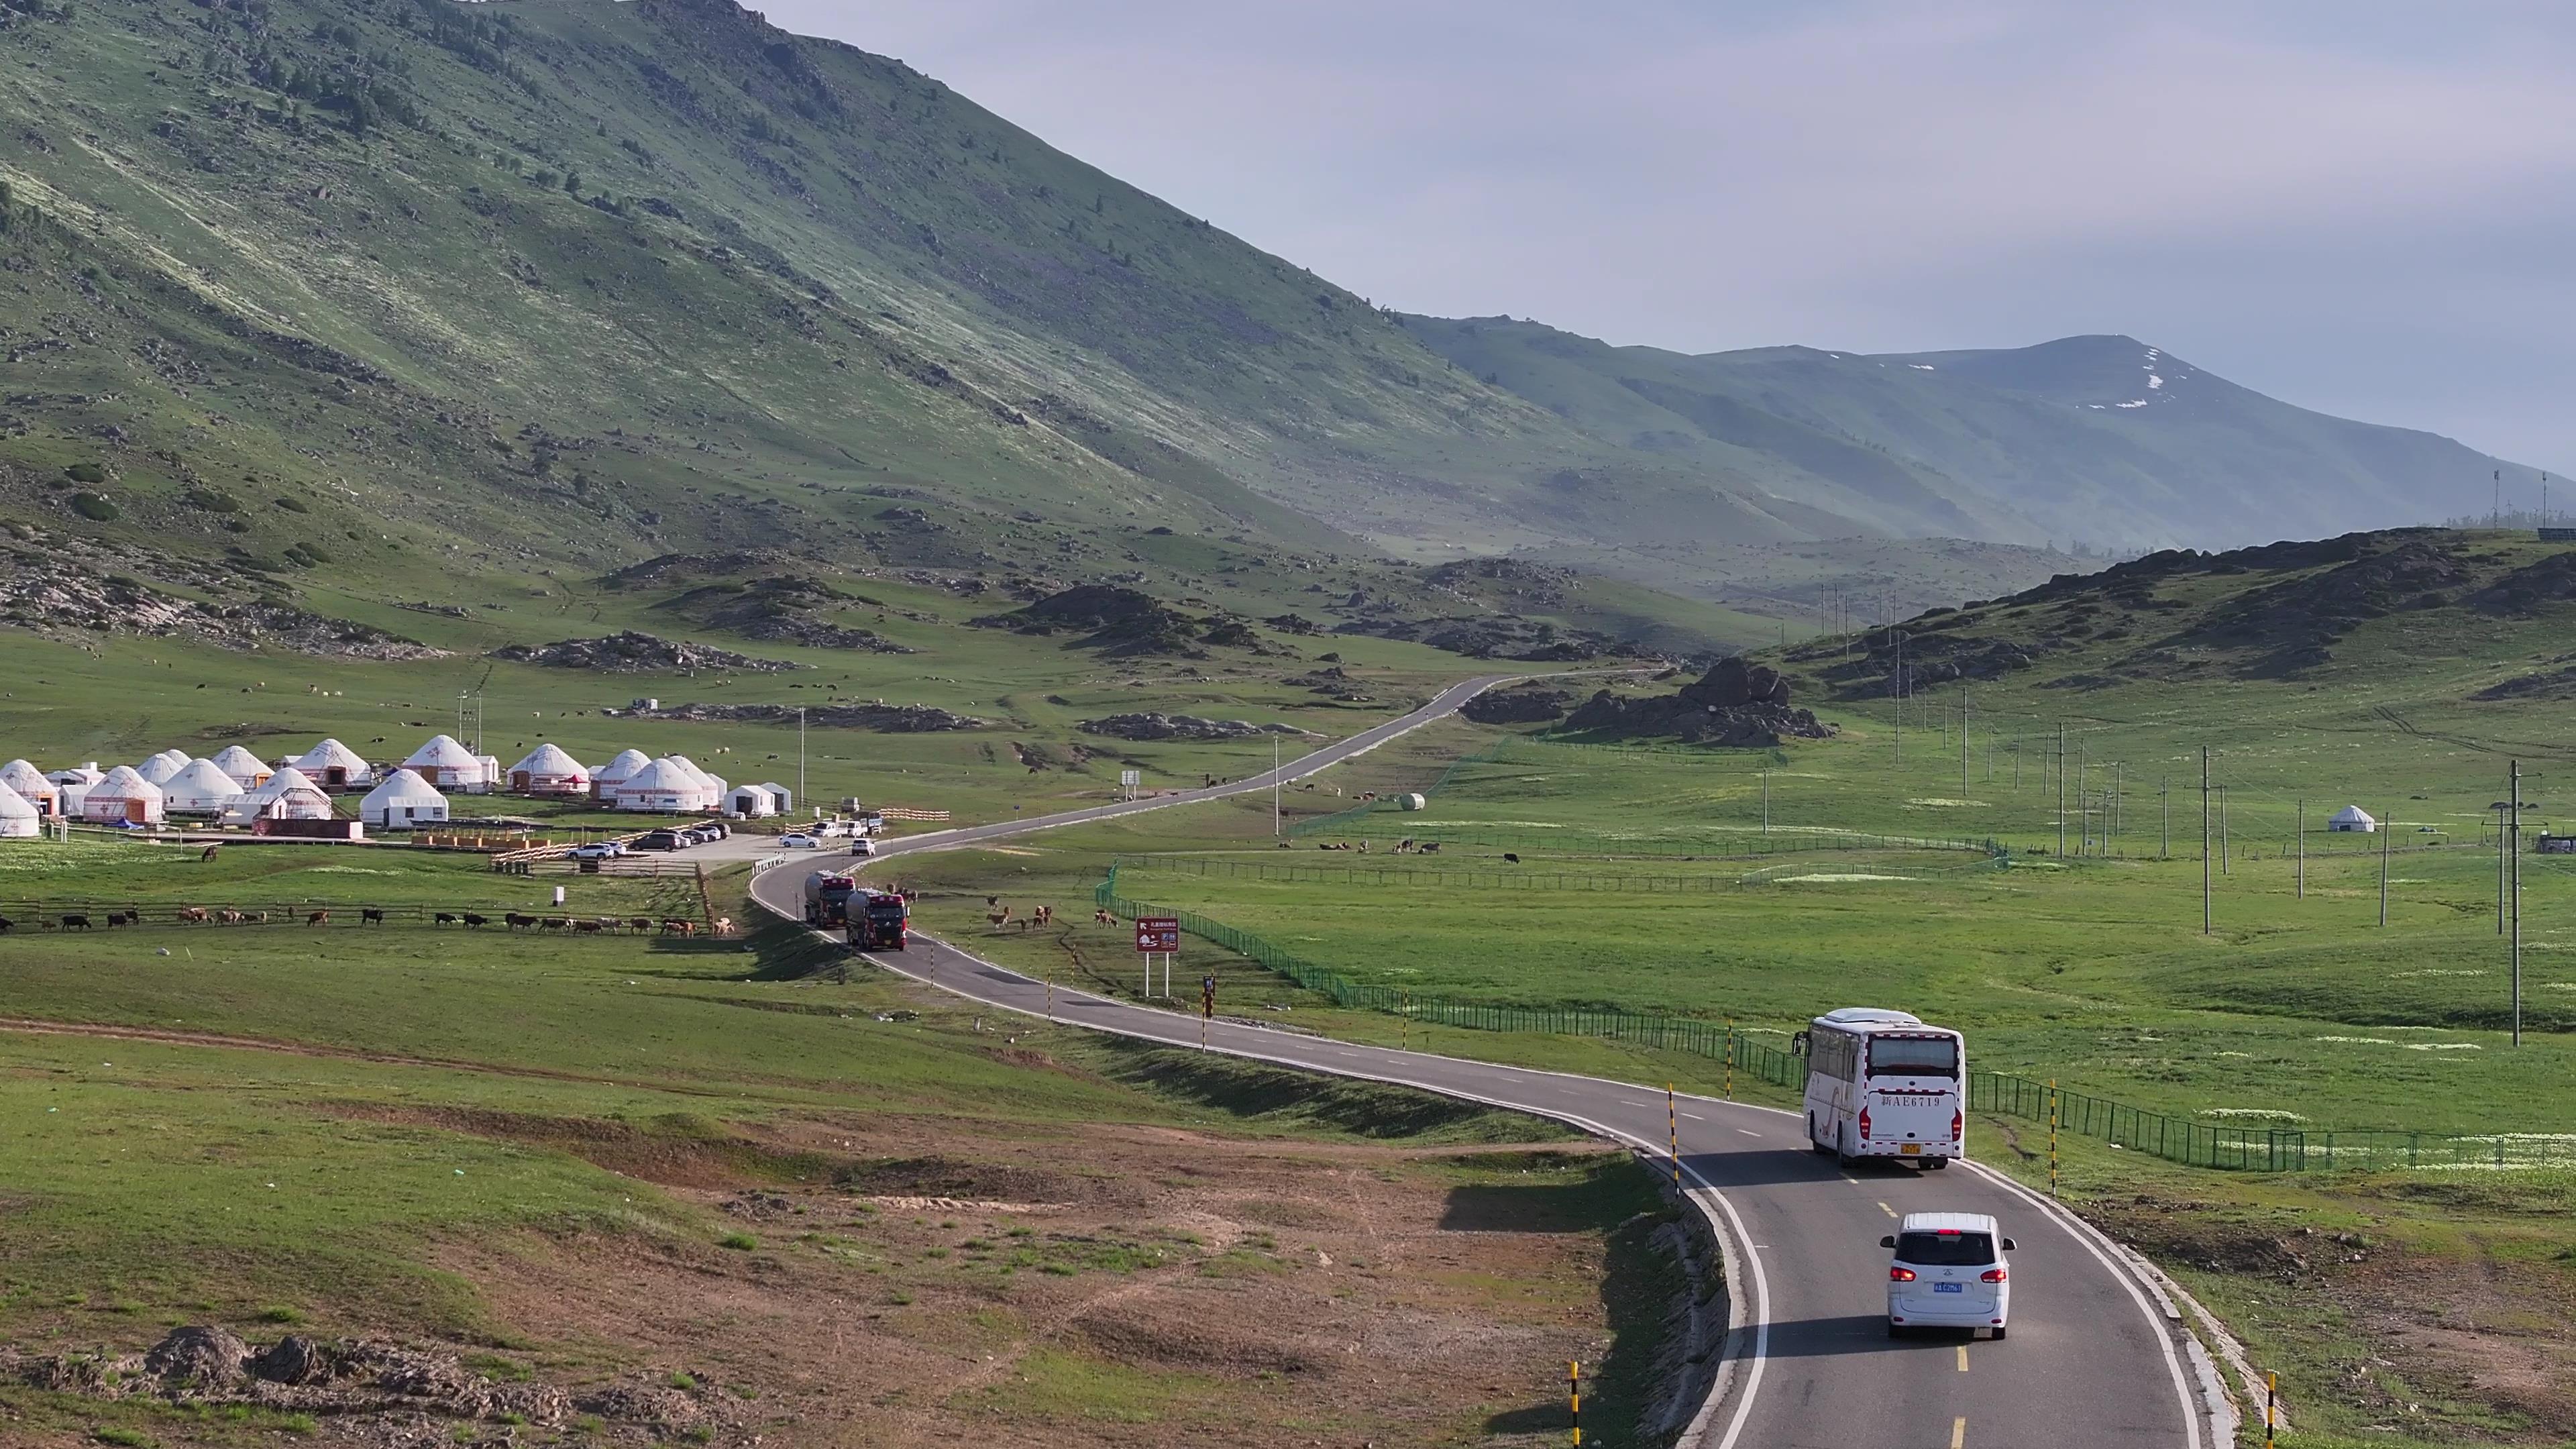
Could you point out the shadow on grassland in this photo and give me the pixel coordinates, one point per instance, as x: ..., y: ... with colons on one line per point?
x: 1261, y: 1093
x: 772, y: 950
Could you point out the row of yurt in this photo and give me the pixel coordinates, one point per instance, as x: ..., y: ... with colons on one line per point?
x: 18, y: 819
x: 124, y: 797
x: 162, y: 766
x: 444, y: 764
x: 668, y: 786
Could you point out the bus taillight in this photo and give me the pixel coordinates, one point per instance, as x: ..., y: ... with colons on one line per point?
x: 1864, y: 1124
x: 1958, y: 1124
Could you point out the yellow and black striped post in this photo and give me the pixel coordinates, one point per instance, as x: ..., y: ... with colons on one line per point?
x: 1673, y: 1120
x: 2271, y: 1399
x: 1730, y: 1059
x: 1574, y: 1399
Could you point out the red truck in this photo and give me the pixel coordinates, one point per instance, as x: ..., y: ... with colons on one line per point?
x: 879, y: 920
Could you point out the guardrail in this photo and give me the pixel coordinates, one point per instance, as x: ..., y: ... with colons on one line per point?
x: 2174, y: 1138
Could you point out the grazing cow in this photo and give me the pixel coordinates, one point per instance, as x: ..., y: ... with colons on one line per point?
x: 1514, y: 859
x: 557, y: 923
x: 208, y: 853
x: 75, y: 923
x: 257, y: 918
x: 229, y: 918
x: 640, y: 924
x: 443, y: 918
x: 518, y: 922
x: 193, y: 916
x: 590, y: 926
x: 370, y: 916
x: 607, y: 923
x: 724, y: 925
x: 1432, y: 849
x: 1103, y: 918
x: 1000, y: 916
x: 5, y: 924
x: 679, y: 928
x: 115, y: 919
x: 477, y: 922
x: 1046, y: 915
x: 318, y: 918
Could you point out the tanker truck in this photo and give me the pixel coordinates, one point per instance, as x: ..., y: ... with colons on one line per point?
x: 827, y: 898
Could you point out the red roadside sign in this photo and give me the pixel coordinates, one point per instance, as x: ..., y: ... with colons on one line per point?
x: 1158, y: 935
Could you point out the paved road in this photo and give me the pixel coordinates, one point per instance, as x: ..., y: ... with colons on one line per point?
x: 2095, y: 1357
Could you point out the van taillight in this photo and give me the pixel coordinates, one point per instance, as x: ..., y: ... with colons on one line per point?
x: 1900, y: 1275
x: 1864, y: 1124
x: 1991, y: 1275
x: 1958, y: 1124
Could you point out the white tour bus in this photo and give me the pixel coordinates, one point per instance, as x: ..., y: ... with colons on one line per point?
x: 1882, y: 1084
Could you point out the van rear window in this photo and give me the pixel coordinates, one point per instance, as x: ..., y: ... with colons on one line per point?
x: 1945, y: 1250
x: 1913, y: 1056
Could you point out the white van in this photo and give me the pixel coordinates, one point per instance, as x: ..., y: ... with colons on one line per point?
x: 1880, y: 1083
x: 1949, y: 1271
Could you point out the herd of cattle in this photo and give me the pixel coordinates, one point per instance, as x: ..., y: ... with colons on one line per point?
x: 372, y: 916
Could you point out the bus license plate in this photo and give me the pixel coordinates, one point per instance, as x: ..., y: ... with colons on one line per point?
x: 1911, y: 1149
x: 1949, y: 1287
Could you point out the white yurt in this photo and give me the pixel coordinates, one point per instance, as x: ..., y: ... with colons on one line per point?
x: 751, y: 802
x: 288, y: 795
x: 713, y: 789
x: 200, y: 789
x: 162, y: 766
x: 18, y: 819
x: 605, y: 780
x: 2353, y: 820
x: 785, y: 797
x: 663, y: 787
x: 443, y: 764
x: 334, y: 766
x: 403, y: 801
x: 549, y: 771
x: 244, y: 768
x: 125, y: 798
x: 30, y: 785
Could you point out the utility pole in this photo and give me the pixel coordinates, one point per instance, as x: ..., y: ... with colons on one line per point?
x: 1274, y: 783
x: 2204, y: 841
x: 2061, y: 792
x: 801, y: 797
x: 2303, y: 850
x: 1766, y: 802
x: 2500, y: 809
x: 2513, y: 850
x: 1963, y: 742
x: 2387, y: 830
x: 2164, y: 809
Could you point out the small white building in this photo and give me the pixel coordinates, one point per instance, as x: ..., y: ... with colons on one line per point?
x: 200, y: 789
x: 403, y: 801
x: 18, y: 819
x: 609, y: 778
x: 334, y: 766
x: 664, y: 787
x: 2353, y: 820
x: 72, y: 787
x: 751, y: 802
x: 443, y: 764
x: 123, y: 798
x: 785, y: 797
x: 243, y: 768
x: 549, y: 771
x: 30, y: 785
x: 288, y: 795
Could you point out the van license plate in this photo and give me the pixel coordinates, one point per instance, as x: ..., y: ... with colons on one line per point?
x: 1911, y: 1149
x: 1949, y: 1287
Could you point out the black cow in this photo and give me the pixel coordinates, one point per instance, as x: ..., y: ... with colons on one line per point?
x: 75, y: 923
x: 371, y: 917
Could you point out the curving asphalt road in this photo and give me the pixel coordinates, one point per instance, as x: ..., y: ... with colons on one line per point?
x: 2097, y: 1356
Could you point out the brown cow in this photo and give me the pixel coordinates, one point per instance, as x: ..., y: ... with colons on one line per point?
x: 724, y: 925
x: 590, y: 926
x: 229, y: 918
x: 193, y: 915
x: 679, y: 928
x: 1103, y: 918
x: 318, y: 918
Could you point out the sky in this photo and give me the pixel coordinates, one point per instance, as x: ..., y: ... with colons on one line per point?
x: 2359, y: 207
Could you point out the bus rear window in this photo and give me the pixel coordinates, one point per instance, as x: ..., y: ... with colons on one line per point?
x: 1913, y: 1056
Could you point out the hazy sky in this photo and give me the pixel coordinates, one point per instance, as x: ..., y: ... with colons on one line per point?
x: 2364, y: 208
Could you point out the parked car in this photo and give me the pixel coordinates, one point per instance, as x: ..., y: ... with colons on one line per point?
x: 661, y: 840
x: 598, y: 850
x: 718, y: 828
x: 1948, y: 1272
x: 798, y: 840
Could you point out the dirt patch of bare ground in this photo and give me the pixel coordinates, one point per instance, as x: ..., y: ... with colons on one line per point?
x: 895, y: 1282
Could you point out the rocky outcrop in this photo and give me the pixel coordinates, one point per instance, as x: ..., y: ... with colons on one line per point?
x: 877, y: 715
x: 1737, y: 704
x: 1523, y: 704
x: 79, y: 590
x: 632, y: 652
x: 1181, y: 727
x: 1110, y: 618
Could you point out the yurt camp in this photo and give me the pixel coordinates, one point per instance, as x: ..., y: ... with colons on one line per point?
x: 244, y: 768
x: 123, y: 798
x: 605, y: 781
x: 547, y: 770
x: 443, y: 764
x: 288, y: 795
x: 334, y: 766
x: 31, y: 786
x: 403, y: 801
x: 200, y: 789
x: 18, y: 819
x: 663, y: 787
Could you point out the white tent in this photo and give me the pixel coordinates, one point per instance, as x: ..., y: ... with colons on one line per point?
x: 334, y: 766
x: 124, y: 797
x: 245, y: 769
x: 549, y: 771
x: 200, y: 789
x: 30, y: 785
x: 162, y: 766
x: 88, y: 774
x: 288, y: 795
x: 404, y: 800
x: 605, y: 780
x: 18, y: 819
x: 443, y: 764
x: 664, y: 787
x: 2353, y: 819
x: 752, y: 802
x: 785, y: 797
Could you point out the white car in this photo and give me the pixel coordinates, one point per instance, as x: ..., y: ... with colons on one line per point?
x: 1949, y: 1271
x: 598, y: 850
x: 799, y: 841
x: 863, y: 846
